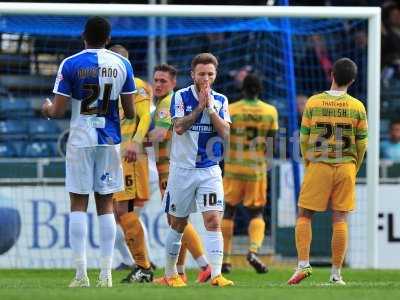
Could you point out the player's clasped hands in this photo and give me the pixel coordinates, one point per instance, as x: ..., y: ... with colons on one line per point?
x: 204, y: 95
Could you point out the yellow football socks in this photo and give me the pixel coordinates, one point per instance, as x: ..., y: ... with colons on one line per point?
x: 256, y: 233
x: 134, y: 237
x: 191, y: 240
x: 227, y: 232
x: 339, y: 243
x: 303, y: 238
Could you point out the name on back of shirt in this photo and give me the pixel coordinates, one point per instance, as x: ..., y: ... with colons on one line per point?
x: 335, y: 112
x: 98, y: 71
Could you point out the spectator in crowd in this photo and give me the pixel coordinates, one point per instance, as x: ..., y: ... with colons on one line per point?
x: 359, y: 56
x: 390, y: 42
x: 390, y: 149
x: 237, y: 77
x: 316, y: 63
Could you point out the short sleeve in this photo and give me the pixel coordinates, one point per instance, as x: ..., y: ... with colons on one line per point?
x: 143, y: 91
x: 224, y: 112
x: 63, y: 84
x: 129, y: 86
x: 163, y: 116
x: 177, y: 108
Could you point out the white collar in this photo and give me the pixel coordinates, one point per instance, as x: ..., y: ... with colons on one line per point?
x: 336, y: 93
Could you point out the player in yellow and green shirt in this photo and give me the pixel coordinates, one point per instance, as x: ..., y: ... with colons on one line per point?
x: 254, y: 122
x: 164, y: 81
x: 127, y: 203
x: 333, y: 140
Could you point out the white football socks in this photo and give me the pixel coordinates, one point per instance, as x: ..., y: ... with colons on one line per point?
x: 214, y: 245
x: 180, y: 269
x: 172, y: 247
x: 202, y: 261
x: 303, y: 264
x: 335, y: 271
x: 122, y: 247
x: 107, y: 229
x: 78, y: 235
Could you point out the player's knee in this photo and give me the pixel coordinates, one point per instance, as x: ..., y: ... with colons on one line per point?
x: 305, y: 213
x: 212, y: 222
x: 79, y: 202
x: 178, y: 224
x: 104, y: 203
x: 255, y: 212
x: 229, y: 212
x: 339, y: 216
x: 121, y: 208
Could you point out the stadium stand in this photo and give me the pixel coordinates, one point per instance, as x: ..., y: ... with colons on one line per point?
x: 40, y: 149
x: 13, y: 130
x: 17, y: 108
x: 7, y: 150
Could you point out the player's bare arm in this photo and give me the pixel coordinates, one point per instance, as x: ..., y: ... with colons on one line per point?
x: 55, y: 108
x: 184, y: 123
x: 127, y: 101
x: 130, y: 152
x: 221, y: 126
x: 143, y: 112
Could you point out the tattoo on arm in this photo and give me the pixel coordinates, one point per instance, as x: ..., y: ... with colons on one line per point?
x: 184, y: 123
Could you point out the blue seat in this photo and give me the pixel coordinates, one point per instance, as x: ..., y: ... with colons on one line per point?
x: 13, y: 130
x: 40, y: 149
x: 15, y: 108
x: 19, y: 147
x: 7, y: 150
x: 40, y: 129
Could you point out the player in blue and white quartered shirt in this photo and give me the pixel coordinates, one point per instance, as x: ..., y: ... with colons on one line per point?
x: 93, y: 80
x: 201, y: 126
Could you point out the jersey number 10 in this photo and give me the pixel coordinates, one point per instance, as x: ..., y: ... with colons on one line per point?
x: 212, y: 199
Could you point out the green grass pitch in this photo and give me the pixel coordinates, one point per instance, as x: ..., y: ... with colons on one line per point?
x: 52, y: 284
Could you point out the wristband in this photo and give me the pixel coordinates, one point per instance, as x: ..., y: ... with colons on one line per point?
x: 211, y: 110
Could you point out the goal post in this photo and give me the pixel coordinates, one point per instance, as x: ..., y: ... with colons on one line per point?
x: 371, y: 14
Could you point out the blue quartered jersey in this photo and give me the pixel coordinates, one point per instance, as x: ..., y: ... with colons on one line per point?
x: 200, y: 146
x: 94, y: 79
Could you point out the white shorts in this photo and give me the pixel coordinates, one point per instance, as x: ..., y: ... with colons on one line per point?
x: 94, y: 169
x: 193, y: 190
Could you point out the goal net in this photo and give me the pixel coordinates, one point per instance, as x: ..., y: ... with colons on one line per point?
x: 293, y: 58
